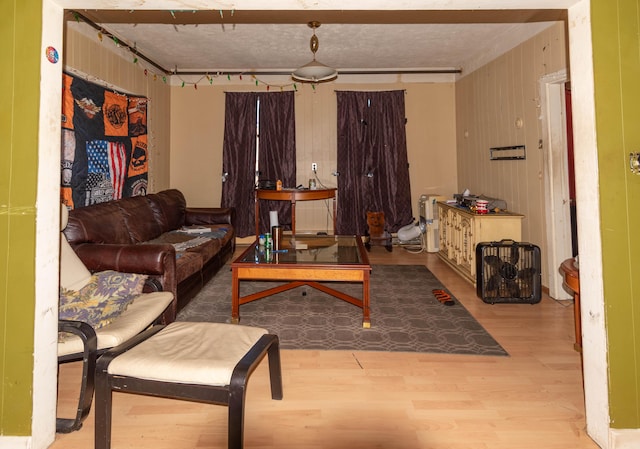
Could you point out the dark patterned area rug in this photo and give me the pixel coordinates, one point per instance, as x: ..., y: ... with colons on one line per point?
x: 405, y: 315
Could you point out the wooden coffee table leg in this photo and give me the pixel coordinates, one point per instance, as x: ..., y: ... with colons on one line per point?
x: 366, y: 320
x: 235, y: 297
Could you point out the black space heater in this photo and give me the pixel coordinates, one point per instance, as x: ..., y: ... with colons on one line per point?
x: 508, y: 272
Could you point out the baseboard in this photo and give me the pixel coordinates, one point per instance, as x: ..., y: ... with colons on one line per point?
x: 624, y: 438
x: 15, y: 442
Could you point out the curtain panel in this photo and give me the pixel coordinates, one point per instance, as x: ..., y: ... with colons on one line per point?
x: 266, y: 120
x: 372, y: 160
x: 239, y: 158
x: 277, y: 154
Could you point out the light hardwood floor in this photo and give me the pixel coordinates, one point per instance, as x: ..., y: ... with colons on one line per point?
x: 342, y: 399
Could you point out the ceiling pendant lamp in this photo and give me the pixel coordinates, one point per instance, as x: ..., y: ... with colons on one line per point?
x: 314, y: 71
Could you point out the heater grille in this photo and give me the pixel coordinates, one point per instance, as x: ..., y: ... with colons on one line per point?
x: 429, y: 213
x: 508, y: 272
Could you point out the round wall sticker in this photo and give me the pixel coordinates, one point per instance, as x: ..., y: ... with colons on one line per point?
x: 52, y: 55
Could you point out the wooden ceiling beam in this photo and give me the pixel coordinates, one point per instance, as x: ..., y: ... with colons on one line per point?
x: 325, y: 17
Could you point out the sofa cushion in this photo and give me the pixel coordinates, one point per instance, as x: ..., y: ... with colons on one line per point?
x: 139, y: 218
x: 223, y: 232
x: 187, y: 263
x: 169, y: 207
x: 218, y: 236
x: 99, y: 223
x: 208, y: 248
x: 206, y: 244
x: 180, y: 240
x: 193, y: 251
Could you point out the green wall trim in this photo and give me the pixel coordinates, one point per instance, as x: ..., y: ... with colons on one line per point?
x: 616, y: 56
x: 21, y: 33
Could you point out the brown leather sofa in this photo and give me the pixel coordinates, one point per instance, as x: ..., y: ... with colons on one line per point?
x: 158, y: 235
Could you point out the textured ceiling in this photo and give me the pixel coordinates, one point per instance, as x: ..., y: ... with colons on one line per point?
x: 262, y: 41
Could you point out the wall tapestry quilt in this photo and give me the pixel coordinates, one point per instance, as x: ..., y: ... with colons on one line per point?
x: 104, y: 143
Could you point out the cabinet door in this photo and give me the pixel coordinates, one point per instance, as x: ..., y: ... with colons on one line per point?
x: 467, y: 245
x: 454, y: 236
x: 444, y: 231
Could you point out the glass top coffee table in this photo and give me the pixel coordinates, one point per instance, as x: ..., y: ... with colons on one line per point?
x: 304, y: 260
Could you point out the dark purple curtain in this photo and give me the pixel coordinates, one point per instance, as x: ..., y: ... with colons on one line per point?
x: 277, y: 153
x: 239, y: 158
x: 372, y: 160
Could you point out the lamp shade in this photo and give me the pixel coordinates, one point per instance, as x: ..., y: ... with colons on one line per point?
x: 314, y: 72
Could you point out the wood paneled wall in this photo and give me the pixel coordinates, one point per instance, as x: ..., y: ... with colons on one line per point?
x: 102, y: 62
x: 489, y: 101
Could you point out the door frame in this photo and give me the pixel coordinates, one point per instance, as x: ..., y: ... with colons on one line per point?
x: 556, y: 179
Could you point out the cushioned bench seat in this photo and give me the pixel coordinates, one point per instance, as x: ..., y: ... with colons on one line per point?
x: 204, y: 362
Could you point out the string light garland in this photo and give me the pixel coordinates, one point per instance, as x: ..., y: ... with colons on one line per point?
x: 210, y: 77
x: 255, y: 80
x: 119, y: 43
x: 157, y: 70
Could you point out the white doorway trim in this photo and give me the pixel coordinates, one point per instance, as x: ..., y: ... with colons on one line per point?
x: 556, y: 178
x: 595, y: 361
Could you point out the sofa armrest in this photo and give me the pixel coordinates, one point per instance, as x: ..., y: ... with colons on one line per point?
x: 152, y: 259
x: 210, y: 215
x: 158, y: 261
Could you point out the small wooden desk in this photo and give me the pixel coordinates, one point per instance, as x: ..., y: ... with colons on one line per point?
x: 571, y: 278
x: 294, y: 195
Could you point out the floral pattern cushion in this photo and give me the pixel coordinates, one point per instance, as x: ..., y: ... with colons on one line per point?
x: 105, y: 297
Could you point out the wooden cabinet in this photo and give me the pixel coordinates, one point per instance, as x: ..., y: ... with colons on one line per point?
x: 461, y: 230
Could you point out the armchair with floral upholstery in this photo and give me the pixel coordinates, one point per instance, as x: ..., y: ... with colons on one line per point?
x: 98, y: 311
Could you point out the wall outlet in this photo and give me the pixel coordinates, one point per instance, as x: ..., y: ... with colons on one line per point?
x: 314, y: 166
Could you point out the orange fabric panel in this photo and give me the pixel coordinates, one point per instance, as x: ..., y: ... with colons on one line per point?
x: 67, y: 102
x: 66, y: 197
x: 139, y: 156
x: 115, y: 114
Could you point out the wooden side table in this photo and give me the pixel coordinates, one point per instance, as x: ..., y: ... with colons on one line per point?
x: 571, y: 278
x: 294, y: 195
